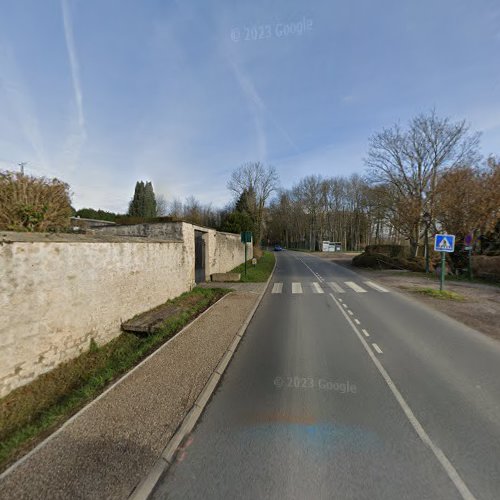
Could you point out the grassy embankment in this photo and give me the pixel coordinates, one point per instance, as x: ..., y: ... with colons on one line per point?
x: 259, y: 273
x: 439, y: 294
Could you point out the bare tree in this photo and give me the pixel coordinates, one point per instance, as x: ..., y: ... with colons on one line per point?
x: 315, y: 209
x: 175, y: 209
x: 263, y: 181
x: 161, y: 205
x: 410, y: 161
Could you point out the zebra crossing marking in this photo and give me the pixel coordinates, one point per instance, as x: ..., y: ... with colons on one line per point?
x: 335, y: 287
x: 375, y: 286
x: 355, y: 287
x: 317, y: 287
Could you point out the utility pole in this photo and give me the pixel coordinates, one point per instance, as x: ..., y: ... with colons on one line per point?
x: 21, y: 165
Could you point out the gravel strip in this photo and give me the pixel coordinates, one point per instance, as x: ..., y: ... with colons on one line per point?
x: 111, y: 446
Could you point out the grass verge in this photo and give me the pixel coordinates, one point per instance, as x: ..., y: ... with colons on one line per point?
x: 32, y: 412
x: 438, y: 294
x: 259, y: 273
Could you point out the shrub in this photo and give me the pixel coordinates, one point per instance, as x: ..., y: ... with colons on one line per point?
x: 384, y: 261
x: 487, y: 267
x: 29, y: 203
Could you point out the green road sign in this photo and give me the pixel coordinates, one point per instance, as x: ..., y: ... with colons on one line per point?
x: 246, y: 237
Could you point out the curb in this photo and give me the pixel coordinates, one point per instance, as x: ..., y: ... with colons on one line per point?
x: 146, y: 486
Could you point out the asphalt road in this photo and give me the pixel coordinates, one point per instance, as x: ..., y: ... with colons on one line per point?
x: 345, y: 390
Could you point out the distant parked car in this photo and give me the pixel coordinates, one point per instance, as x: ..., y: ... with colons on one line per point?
x: 277, y: 248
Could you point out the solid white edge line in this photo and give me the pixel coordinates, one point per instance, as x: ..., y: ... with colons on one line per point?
x: 438, y: 453
x: 377, y: 348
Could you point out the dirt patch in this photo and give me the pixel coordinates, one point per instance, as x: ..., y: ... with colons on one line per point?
x: 342, y: 258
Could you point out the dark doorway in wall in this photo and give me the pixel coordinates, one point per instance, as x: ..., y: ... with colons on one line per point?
x: 199, y: 257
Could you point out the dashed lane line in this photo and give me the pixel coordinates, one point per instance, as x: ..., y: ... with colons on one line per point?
x: 422, y: 434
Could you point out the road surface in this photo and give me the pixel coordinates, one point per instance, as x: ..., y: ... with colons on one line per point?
x: 342, y: 388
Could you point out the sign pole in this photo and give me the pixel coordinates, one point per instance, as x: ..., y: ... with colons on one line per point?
x: 443, y: 265
x: 444, y: 243
x: 245, y: 259
x: 470, y: 263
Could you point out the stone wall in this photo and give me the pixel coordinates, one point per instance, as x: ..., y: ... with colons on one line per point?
x: 230, y: 252
x: 57, y: 292
x: 171, y: 231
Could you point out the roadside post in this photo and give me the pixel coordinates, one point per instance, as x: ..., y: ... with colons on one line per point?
x: 444, y: 243
x: 246, y: 237
x: 468, y: 247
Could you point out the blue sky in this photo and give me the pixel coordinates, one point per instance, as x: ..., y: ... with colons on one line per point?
x: 101, y: 93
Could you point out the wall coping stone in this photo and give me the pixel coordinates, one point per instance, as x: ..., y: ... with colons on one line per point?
x: 20, y: 237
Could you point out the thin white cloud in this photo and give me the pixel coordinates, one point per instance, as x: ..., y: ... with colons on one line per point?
x: 77, y: 137
x: 257, y: 108
x: 259, y: 111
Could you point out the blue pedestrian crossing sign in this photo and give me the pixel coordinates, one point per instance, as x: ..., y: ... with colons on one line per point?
x: 444, y: 243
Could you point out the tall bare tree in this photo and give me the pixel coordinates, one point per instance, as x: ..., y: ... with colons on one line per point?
x: 410, y: 162
x: 263, y: 181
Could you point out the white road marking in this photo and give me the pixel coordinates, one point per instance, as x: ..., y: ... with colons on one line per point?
x: 357, y: 321
x: 365, y: 332
x: 345, y: 305
x: 316, y: 288
x: 340, y: 300
x: 377, y: 348
x: 277, y: 288
x: 335, y: 287
x: 350, y: 312
x: 376, y: 287
x: 438, y: 453
x: 355, y: 287
x: 296, y: 288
